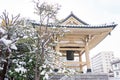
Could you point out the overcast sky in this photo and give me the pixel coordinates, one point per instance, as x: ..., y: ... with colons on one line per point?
x: 90, y: 11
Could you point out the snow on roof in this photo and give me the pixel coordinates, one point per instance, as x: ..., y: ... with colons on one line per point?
x: 82, y: 26
x: 89, y: 26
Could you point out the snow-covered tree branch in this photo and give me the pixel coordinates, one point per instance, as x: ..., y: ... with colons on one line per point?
x: 30, y: 49
x: 7, y: 41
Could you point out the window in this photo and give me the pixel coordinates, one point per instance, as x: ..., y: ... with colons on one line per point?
x: 117, y: 73
x: 115, y: 65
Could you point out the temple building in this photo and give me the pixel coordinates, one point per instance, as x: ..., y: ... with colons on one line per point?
x: 81, y: 38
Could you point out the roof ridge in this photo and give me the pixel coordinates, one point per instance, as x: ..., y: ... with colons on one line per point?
x: 72, y: 14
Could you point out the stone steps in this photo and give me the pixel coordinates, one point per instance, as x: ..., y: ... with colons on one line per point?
x: 56, y: 77
x: 87, y: 76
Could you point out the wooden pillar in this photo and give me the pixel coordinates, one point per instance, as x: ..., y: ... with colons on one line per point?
x: 87, y: 57
x: 57, y: 47
x: 80, y: 60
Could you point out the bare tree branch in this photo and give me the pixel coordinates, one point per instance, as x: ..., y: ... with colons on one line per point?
x: 7, y: 21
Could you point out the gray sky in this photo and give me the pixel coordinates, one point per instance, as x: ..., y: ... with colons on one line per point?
x: 90, y: 11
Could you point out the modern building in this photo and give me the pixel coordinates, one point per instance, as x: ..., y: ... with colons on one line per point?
x: 81, y: 38
x: 101, y: 63
x: 116, y: 67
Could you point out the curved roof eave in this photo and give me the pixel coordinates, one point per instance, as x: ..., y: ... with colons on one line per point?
x: 80, y: 26
x: 89, y: 26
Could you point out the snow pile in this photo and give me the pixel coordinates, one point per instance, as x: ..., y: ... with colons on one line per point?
x: 1, y: 68
x: 20, y: 66
x: 20, y: 69
x: 8, y: 43
x: 46, y: 77
x: 3, y: 60
x: 2, y: 31
x: 43, y: 72
x: 13, y: 46
x: 5, y: 41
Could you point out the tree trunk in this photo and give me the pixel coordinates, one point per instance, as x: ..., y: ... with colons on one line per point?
x: 36, y: 67
x: 5, y: 65
x: 37, y: 75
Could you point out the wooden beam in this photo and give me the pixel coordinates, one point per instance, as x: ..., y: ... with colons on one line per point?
x: 74, y: 49
x: 73, y: 39
x: 75, y: 53
x: 74, y: 35
x: 73, y: 66
x: 88, y: 31
x: 82, y: 63
x: 64, y: 55
x: 72, y: 44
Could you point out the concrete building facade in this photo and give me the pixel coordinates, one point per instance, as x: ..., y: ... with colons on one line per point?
x: 101, y: 63
x: 116, y: 67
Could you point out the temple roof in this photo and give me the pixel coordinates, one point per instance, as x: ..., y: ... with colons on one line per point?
x: 74, y: 22
x: 72, y: 15
x: 112, y: 25
x: 89, y: 26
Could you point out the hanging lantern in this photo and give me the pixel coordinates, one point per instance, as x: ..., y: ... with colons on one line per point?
x: 70, y: 55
